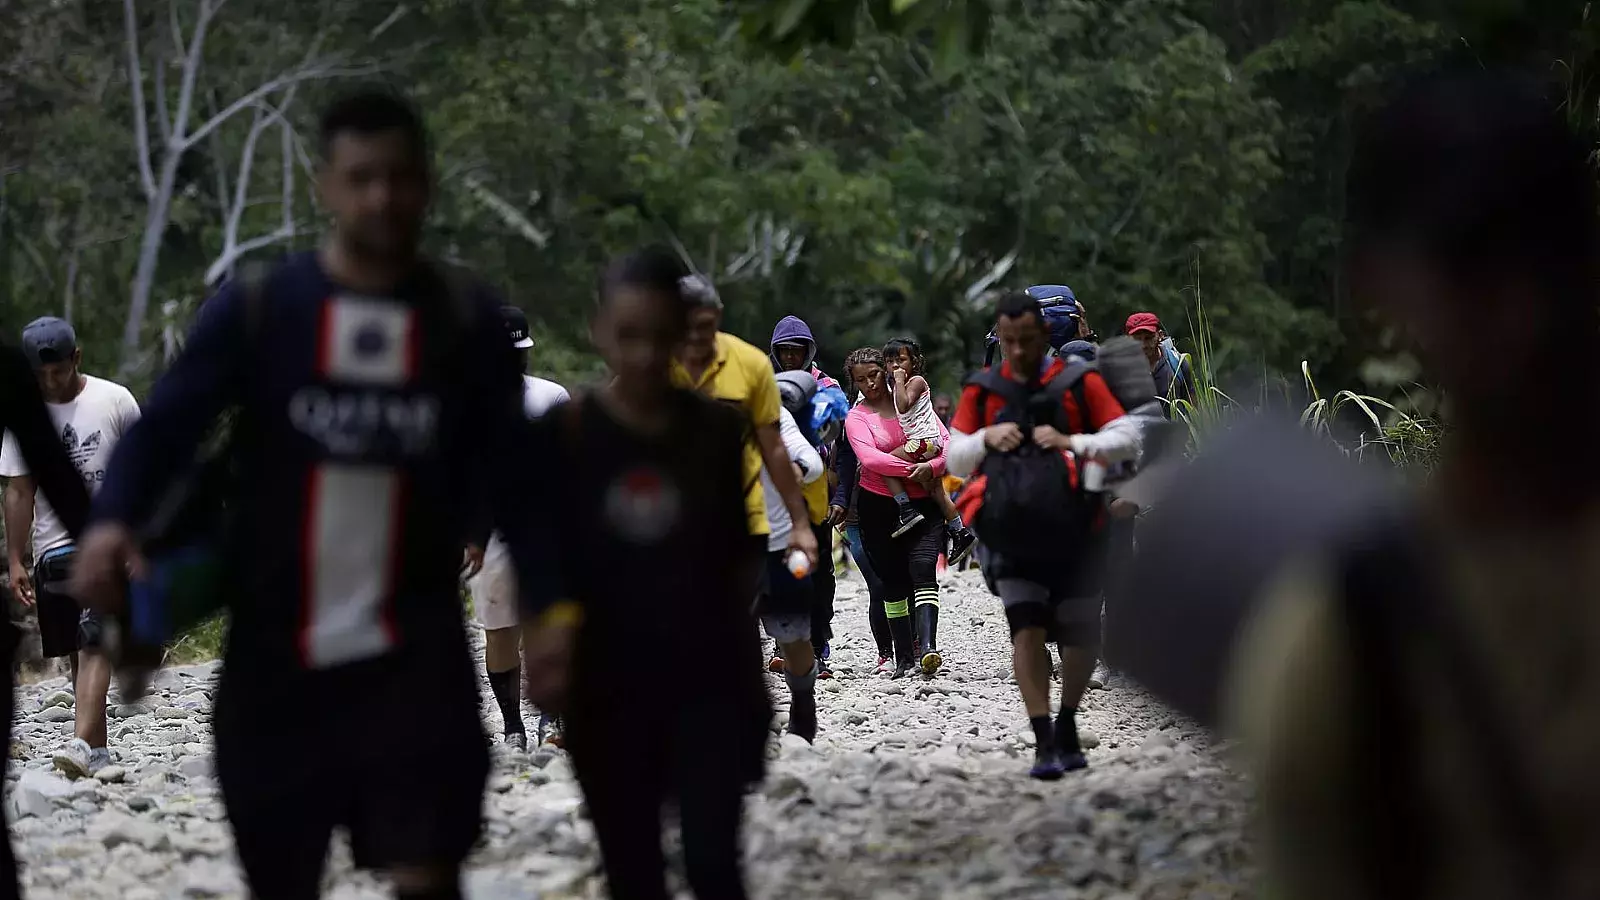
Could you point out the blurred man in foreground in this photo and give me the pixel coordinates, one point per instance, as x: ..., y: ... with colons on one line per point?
x: 1422, y: 706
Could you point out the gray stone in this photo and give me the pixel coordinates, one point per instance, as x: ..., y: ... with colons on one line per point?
x: 111, y: 775
x: 195, y: 766
x: 54, y: 714
x: 1155, y: 740
x: 115, y: 829
x: 173, y: 712
x: 47, y: 783
x: 27, y: 801
x: 60, y: 698
x: 129, y: 711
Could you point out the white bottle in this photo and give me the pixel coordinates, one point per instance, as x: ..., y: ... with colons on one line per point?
x: 1094, y: 476
x: 798, y: 565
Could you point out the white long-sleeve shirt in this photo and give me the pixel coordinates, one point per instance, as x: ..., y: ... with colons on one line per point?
x: 1118, y: 441
x: 802, y: 454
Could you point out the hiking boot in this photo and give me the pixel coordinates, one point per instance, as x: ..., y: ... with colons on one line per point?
x: 909, y: 519
x: 78, y: 760
x: 1100, y: 678
x: 1072, y: 762
x: 903, y: 668
x: 928, y: 631
x: 515, y: 740
x: 822, y: 669
x: 1048, y: 765
x: 803, y: 715
x: 962, y: 541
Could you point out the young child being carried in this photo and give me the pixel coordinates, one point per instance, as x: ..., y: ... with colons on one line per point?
x: 913, y: 405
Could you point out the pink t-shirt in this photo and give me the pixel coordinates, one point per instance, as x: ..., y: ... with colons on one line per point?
x: 874, y: 438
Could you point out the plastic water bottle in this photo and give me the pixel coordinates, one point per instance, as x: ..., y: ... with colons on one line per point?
x: 1094, y: 476
x: 798, y: 565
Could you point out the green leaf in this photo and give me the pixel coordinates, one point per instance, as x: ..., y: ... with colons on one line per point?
x: 793, y: 12
x: 898, y: 7
x: 954, y: 37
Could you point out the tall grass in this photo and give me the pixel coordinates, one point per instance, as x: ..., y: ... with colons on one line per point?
x: 1408, y: 442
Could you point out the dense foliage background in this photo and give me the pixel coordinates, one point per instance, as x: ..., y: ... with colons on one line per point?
x: 874, y: 167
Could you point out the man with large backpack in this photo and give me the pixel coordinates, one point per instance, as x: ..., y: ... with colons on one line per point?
x: 1034, y: 430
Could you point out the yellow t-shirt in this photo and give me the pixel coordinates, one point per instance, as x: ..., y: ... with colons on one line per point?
x: 816, y: 494
x: 741, y: 375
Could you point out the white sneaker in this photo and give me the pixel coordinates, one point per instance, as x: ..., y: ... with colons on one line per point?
x: 78, y: 760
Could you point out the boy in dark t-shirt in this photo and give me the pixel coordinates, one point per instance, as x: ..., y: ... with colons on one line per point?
x: 655, y: 552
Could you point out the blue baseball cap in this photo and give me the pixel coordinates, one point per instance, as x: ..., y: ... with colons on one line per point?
x: 49, y: 340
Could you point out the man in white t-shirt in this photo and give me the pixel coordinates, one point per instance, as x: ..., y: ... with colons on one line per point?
x: 91, y: 415
x: 494, y: 583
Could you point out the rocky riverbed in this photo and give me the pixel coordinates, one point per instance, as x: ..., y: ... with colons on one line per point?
x: 914, y: 789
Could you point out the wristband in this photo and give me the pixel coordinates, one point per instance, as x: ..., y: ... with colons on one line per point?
x: 561, y: 614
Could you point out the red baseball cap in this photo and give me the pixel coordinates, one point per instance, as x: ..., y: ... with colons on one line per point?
x: 1142, y: 322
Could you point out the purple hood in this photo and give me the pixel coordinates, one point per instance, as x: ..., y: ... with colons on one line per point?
x: 794, y: 330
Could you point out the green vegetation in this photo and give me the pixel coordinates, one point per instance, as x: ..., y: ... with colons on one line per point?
x: 876, y: 166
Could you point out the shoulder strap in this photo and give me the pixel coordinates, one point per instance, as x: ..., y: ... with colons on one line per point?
x: 253, y: 275
x: 461, y: 286
x: 990, y: 381
x: 1017, y: 396
x: 1068, y: 380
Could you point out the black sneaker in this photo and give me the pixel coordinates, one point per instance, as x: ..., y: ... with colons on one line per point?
x: 903, y: 668
x: 803, y: 715
x: 962, y: 540
x: 1048, y: 765
x: 909, y: 519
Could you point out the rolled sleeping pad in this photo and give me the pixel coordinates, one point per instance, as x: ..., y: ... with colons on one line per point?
x: 1262, y: 494
x: 1122, y: 364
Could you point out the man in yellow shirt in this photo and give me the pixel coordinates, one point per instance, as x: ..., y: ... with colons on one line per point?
x: 726, y: 368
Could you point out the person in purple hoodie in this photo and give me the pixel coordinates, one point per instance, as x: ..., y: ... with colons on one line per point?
x: 794, y: 349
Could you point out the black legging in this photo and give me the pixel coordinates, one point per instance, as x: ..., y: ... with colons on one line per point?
x: 823, y: 583
x: 907, y: 565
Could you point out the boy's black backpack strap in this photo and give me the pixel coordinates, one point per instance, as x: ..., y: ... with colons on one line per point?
x: 461, y: 287
x: 252, y: 276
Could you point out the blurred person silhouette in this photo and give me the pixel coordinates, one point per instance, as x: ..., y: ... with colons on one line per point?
x: 28, y: 424
x: 656, y: 552
x: 1417, y: 686
x: 377, y: 399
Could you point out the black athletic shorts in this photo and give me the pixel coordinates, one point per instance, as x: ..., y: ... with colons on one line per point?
x: 1062, y: 597
x: 372, y: 747
x: 63, y: 625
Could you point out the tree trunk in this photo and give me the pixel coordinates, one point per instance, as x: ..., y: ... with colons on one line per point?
x: 144, y: 276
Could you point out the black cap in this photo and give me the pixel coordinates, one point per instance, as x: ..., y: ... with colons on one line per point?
x: 49, y: 340
x: 516, y: 327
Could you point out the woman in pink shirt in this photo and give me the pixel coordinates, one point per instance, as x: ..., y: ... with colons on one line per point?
x: 907, y: 564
